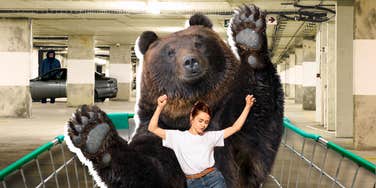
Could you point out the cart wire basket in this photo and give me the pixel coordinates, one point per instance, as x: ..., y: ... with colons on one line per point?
x: 308, y: 160
x: 303, y: 160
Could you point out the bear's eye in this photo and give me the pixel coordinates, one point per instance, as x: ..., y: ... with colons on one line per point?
x: 198, y: 45
x: 171, y: 52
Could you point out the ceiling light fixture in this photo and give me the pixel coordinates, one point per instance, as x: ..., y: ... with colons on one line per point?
x: 136, y: 6
x: 153, y: 7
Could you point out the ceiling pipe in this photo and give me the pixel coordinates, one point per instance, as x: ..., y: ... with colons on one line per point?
x: 111, y: 12
x: 310, y: 15
x: 50, y: 38
x: 291, y: 39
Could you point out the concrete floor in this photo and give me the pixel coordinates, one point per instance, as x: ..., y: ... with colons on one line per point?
x: 20, y: 136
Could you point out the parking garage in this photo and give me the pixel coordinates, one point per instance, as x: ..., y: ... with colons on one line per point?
x: 323, y: 52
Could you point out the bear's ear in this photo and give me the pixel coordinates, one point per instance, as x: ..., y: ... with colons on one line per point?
x: 200, y: 19
x: 146, y: 38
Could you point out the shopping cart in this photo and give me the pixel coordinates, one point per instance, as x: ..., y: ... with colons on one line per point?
x: 303, y: 160
x: 53, y: 165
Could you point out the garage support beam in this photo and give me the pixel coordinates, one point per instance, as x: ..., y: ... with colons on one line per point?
x: 121, y: 69
x: 292, y: 75
x: 321, y: 56
x: 364, y: 75
x: 344, y: 103
x: 331, y: 75
x: 299, y: 75
x: 80, y: 79
x: 319, y: 99
x: 282, y: 71
x: 15, y: 59
x: 309, y: 74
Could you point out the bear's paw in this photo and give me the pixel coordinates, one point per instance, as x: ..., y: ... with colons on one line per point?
x: 248, y: 30
x: 90, y: 130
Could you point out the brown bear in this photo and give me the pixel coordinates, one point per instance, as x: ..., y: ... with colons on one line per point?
x: 189, y: 65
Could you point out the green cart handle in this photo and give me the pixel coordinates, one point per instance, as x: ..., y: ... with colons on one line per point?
x: 346, y: 153
x: 289, y: 125
x: 118, y: 119
x: 357, y: 159
x: 30, y: 156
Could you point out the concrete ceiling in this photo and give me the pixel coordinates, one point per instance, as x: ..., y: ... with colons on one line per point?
x: 120, y: 21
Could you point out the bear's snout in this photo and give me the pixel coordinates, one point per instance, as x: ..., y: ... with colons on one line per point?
x: 191, y: 64
x: 193, y: 67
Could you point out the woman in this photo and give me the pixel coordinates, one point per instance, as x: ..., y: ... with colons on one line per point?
x: 194, y: 148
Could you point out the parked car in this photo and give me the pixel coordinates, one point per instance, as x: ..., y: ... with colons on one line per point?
x: 53, y: 84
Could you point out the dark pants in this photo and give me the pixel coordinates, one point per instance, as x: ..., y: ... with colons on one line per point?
x: 212, y: 180
x: 52, y: 100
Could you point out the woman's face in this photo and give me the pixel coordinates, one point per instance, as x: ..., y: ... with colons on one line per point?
x: 200, y: 122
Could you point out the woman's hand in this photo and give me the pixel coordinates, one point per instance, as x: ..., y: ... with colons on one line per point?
x: 153, y: 124
x: 162, y: 101
x: 249, y: 100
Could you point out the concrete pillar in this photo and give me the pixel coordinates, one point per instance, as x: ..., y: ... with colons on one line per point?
x: 34, y: 65
x: 309, y: 75
x: 364, y: 75
x: 319, y: 106
x: 281, y: 68
x: 80, y: 81
x: 331, y: 76
x: 15, y: 60
x: 322, y: 58
x: 285, y: 68
x: 299, y: 75
x: 321, y: 49
x: 121, y: 69
x: 292, y: 73
x: 344, y: 69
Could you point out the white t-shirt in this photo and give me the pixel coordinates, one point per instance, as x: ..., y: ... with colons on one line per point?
x: 195, y: 153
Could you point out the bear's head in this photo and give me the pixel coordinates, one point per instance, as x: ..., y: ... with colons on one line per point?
x: 188, y: 65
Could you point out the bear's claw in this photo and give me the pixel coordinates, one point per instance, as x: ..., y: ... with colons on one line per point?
x: 248, y: 30
x: 249, y: 17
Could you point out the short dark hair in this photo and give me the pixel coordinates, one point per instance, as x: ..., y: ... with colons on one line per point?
x: 200, y: 106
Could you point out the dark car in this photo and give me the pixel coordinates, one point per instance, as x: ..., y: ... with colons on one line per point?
x: 53, y: 84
